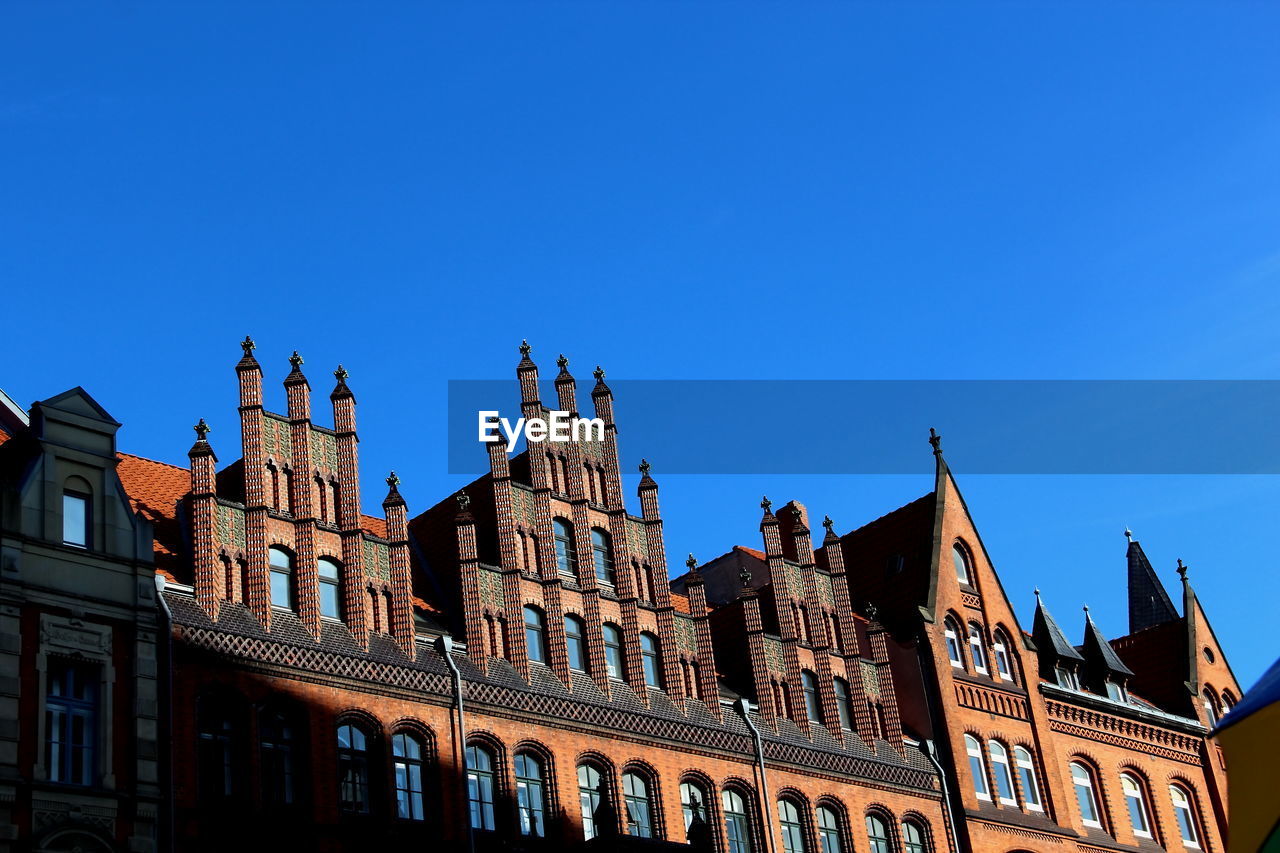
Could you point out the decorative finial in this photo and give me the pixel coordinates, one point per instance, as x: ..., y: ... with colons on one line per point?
x: 692, y: 562
x: 562, y: 362
x: 393, y: 481
x: 525, y: 349
x: 744, y: 578
x: 796, y: 513
x: 1128, y: 534
x: 464, y: 501
x: 598, y: 373
x: 202, y: 429
x: 1086, y: 609
x: 1037, y: 593
x: 248, y: 346
x: 644, y: 467
x: 341, y: 374
x: 872, y: 611
x: 828, y: 523
x: 935, y: 440
x: 295, y: 360
x: 766, y: 504
x: 1182, y: 570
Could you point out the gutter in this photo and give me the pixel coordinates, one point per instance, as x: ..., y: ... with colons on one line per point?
x: 930, y: 750
x: 744, y: 708
x: 444, y: 645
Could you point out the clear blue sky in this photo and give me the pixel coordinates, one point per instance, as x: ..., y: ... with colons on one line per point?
x: 853, y: 190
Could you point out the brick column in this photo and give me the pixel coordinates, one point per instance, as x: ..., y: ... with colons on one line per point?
x: 210, y: 585
x: 819, y: 638
x: 708, y: 685
x: 401, y: 616
x: 305, y: 579
x: 852, y: 654
x: 258, y: 596
x: 755, y: 648
x: 347, y: 510
x: 884, y: 677
x: 469, y: 576
x: 783, y: 599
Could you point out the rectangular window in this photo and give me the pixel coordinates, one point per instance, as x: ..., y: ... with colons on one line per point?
x: 75, y: 519
x: 71, y: 722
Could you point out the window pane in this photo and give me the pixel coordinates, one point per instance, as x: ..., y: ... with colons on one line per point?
x: 75, y: 520
x: 649, y: 657
x: 577, y: 648
x: 961, y: 564
x: 533, y: 634
x: 613, y: 651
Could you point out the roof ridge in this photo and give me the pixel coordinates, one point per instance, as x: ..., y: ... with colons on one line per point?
x: 154, y: 461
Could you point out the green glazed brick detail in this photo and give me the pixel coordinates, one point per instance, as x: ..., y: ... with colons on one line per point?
x: 773, y: 656
x: 686, y: 633
x: 826, y: 594
x: 870, y: 677
x: 491, y: 589
x: 230, y: 527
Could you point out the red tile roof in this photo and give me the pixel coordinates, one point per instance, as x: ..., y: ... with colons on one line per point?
x: 376, y: 526
x: 154, y: 489
x: 759, y: 555
x: 4, y: 436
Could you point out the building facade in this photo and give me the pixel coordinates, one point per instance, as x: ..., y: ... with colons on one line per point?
x: 514, y: 668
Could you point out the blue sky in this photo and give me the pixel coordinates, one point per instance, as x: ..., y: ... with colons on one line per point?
x: 673, y: 190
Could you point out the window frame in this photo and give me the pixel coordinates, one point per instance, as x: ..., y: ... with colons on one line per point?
x: 1133, y: 791
x: 482, y: 787
x: 830, y: 838
x: 844, y: 711
x: 602, y: 558
x: 401, y: 759
x: 739, y: 826
x: 531, y: 793
x: 575, y: 639
x: 977, y: 640
x: 1002, y: 770
x: 977, y: 768
x: 792, y: 829
x: 285, y: 574
x: 589, y: 798
x: 962, y: 563
x: 882, y: 843
x: 1003, y: 655
x: 616, y: 669
x: 85, y: 526
x: 1186, y: 809
x: 1089, y: 788
x: 330, y: 586
x: 644, y: 802
x: 916, y: 845
x: 566, y: 548
x: 353, y: 768
x: 651, y: 659
x: 535, y: 634
x: 1024, y: 761
x: 951, y: 635
x: 71, y: 759
x: 812, y: 698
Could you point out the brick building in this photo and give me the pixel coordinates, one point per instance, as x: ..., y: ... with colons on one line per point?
x: 513, y: 669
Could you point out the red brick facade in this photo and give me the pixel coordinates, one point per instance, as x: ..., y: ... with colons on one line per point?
x: 870, y: 666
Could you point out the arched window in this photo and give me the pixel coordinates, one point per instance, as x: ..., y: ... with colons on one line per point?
x: 737, y: 821
x: 573, y: 635
x: 878, y: 834
x: 635, y: 792
x: 480, y: 787
x: 1136, y: 803
x: 952, y: 634
x: 216, y: 758
x: 1228, y: 702
x: 76, y: 500
x: 602, y: 554
x: 977, y: 648
x: 1002, y: 772
x: 1211, y: 709
x: 1082, y: 781
x: 534, y: 631
x: 843, y: 708
x: 330, y: 588
x: 961, y: 561
x: 829, y: 831
x: 590, y: 794
x: 1004, y: 656
x: 1027, y: 775
x: 530, y: 794
x: 281, y: 577
x: 407, y: 752
x: 977, y: 767
x: 353, y: 769
x: 566, y: 549
x: 277, y: 746
x: 613, y: 650
x: 792, y: 827
x: 913, y: 837
x: 693, y: 800
x: 812, y: 707
x: 1184, y: 812
x: 651, y: 660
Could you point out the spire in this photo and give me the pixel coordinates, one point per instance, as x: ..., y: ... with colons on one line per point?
x: 767, y: 506
x: 341, y: 390
x: 525, y: 349
x: 936, y: 441
x: 798, y: 525
x: 645, y: 479
x: 464, y: 506
x: 563, y: 364
x: 1149, y: 603
x: 692, y: 562
x: 1098, y: 650
x: 601, y: 389
x: 1049, y: 637
x: 295, y: 375
x: 201, y: 447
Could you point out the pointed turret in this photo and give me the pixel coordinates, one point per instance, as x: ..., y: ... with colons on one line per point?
x: 1056, y: 651
x: 297, y: 390
x: 1149, y: 604
x: 1105, y: 673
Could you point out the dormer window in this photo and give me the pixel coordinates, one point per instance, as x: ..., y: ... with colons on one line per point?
x: 75, y: 519
x: 1115, y: 690
x: 1066, y: 677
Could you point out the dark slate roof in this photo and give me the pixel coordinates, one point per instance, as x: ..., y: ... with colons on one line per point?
x: 1049, y: 636
x: 1097, y: 647
x: 1149, y: 604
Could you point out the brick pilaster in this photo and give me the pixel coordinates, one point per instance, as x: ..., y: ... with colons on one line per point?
x: 759, y: 663
x: 305, y: 578
x: 347, y: 510
x: 401, y: 616
x: 848, y: 633
x: 469, y: 576
x: 249, y: 374
x: 210, y: 585
x: 708, y: 685
x: 888, y: 696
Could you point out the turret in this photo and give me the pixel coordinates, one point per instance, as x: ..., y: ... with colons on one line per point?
x: 210, y: 584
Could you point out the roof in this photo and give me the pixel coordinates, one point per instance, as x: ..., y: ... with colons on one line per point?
x: 154, y: 489
x: 1049, y: 636
x: 376, y: 526
x: 1095, y: 643
x: 4, y: 436
x: 1149, y: 603
x: 759, y: 555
